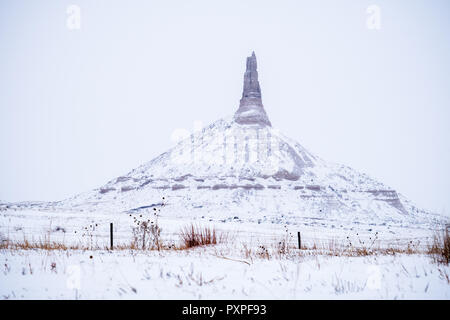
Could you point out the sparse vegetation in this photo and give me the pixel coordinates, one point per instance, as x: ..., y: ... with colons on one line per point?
x: 263, y: 252
x: 196, y: 235
x: 43, y: 245
x: 285, y: 248
x: 146, y: 230
x: 147, y: 237
x: 283, y: 245
x: 440, y: 248
x: 88, y: 233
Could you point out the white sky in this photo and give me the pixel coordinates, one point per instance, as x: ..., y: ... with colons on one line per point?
x: 80, y: 107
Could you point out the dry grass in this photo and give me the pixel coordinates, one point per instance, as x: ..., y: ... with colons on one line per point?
x: 440, y: 248
x: 335, y: 248
x: 191, y: 236
x: 43, y: 245
x: 53, y: 245
x: 194, y: 235
x: 247, y: 252
x: 284, y: 249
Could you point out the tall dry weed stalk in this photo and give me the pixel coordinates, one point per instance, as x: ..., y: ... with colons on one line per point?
x: 146, y: 230
x: 440, y: 248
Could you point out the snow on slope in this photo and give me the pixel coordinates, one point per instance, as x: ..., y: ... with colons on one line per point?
x: 243, y: 166
x: 228, y: 169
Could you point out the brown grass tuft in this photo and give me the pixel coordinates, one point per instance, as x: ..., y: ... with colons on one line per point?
x: 43, y: 245
x: 195, y: 235
x: 440, y: 248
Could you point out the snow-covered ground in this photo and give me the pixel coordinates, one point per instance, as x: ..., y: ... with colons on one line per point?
x: 205, y: 273
x: 223, y: 271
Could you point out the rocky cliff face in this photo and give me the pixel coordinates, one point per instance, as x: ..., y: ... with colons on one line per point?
x: 251, y: 110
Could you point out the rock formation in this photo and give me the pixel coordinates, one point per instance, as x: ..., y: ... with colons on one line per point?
x: 242, y: 165
x: 251, y: 109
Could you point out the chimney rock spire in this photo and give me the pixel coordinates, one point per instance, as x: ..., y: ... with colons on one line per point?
x: 251, y: 109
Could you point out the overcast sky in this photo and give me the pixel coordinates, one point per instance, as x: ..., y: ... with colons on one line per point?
x: 79, y: 107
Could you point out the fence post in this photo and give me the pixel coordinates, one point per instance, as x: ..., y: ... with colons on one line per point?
x: 111, y: 235
x: 299, y: 240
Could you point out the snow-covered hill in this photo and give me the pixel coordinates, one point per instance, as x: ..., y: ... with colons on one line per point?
x: 241, y: 166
